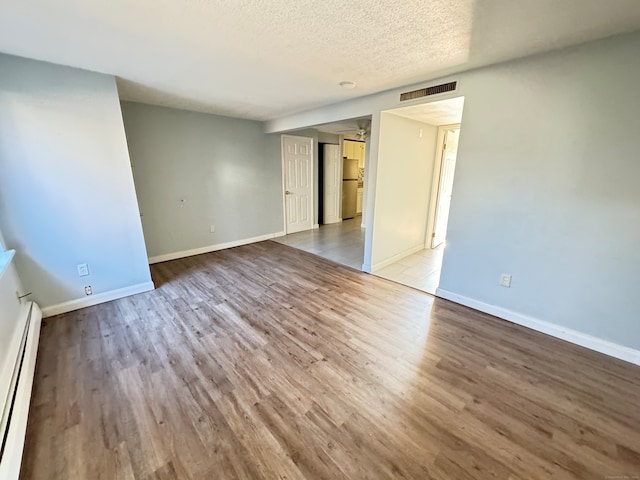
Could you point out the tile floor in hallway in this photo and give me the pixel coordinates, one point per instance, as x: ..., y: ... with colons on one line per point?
x: 341, y: 242
x: 420, y: 270
x: 344, y: 243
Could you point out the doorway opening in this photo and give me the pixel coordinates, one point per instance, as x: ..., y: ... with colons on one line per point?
x: 340, y: 192
x: 433, y: 153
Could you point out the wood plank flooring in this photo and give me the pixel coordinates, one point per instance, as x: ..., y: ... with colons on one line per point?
x: 267, y: 362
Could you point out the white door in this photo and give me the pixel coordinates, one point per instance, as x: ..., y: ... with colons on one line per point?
x: 445, y: 186
x: 297, y: 168
x: 331, y: 184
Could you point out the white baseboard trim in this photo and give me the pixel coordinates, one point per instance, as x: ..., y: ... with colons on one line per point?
x: 316, y: 226
x: 213, y: 248
x: 573, y: 336
x: 377, y: 266
x: 96, y: 299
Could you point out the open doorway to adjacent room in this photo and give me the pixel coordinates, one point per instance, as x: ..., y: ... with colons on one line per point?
x: 420, y: 266
x: 340, y: 190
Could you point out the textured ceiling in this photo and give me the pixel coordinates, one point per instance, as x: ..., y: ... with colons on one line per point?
x: 266, y: 58
x: 444, y: 112
x: 345, y: 127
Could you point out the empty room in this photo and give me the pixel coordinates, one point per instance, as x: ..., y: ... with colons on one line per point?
x: 180, y: 185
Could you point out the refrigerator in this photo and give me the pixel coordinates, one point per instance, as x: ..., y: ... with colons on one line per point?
x: 349, y: 187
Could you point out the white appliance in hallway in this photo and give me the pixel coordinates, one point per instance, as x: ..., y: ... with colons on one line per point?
x: 349, y: 187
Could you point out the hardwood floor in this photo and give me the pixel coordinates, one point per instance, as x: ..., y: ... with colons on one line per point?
x: 267, y: 362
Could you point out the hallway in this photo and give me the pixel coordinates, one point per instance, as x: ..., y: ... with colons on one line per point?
x: 341, y: 242
x: 344, y: 243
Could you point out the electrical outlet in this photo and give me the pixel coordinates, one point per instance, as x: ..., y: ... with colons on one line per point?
x: 505, y: 280
x: 88, y: 290
x: 83, y: 269
x: 212, y: 228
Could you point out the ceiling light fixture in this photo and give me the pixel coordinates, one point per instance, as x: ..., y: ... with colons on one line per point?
x: 347, y: 85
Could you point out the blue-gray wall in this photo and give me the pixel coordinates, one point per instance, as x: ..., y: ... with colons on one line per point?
x: 66, y: 189
x: 545, y: 190
x: 194, y: 170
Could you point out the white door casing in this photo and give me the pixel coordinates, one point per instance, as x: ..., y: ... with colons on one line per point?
x: 297, y: 181
x: 445, y: 186
x: 331, y: 184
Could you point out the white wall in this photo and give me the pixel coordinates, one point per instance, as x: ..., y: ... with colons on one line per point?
x: 546, y: 188
x: 405, y: 174
x: 227, y: 171
x: 66, y: 188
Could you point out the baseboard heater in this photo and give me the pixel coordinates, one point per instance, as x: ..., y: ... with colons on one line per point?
x: 15, y: 407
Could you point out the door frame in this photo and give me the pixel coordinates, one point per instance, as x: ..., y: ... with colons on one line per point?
x: 435, y: 186
x: 338, y: 187
x: 311, y: 207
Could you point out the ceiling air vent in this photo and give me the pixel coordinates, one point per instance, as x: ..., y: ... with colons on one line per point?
x: 425, y: 92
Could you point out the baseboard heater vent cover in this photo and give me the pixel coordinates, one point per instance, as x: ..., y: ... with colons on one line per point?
x: 13, y: 419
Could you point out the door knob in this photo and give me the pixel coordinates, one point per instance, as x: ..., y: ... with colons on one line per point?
x: 287, y: 192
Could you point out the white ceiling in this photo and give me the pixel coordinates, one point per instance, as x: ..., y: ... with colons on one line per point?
x: 444, y: 112
x: 262, y: 59
x: 345, y: 127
